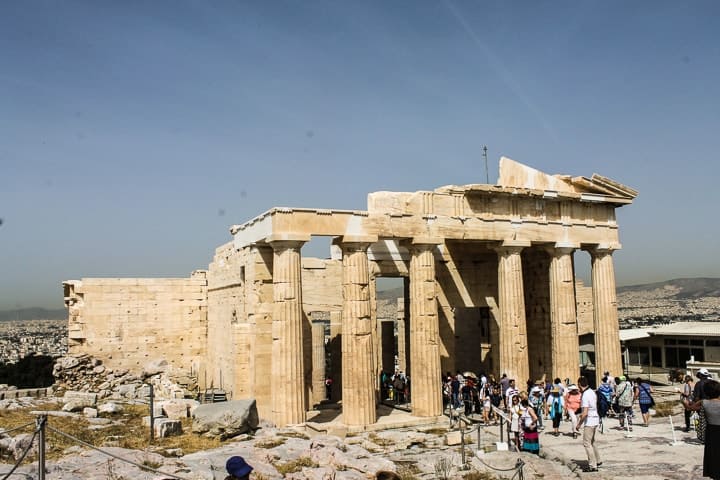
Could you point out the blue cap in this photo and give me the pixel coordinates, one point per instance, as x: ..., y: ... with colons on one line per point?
x: 237, y: 466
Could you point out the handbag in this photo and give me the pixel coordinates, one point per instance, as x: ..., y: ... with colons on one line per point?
x: 701, y: 424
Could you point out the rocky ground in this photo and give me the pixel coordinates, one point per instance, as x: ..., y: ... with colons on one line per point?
x: 647, y: 453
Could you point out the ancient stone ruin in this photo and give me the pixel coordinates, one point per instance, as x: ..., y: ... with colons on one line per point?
x: 482, y: 265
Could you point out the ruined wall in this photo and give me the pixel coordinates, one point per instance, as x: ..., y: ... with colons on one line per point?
x: 127, y: 322
x: 228, y: 361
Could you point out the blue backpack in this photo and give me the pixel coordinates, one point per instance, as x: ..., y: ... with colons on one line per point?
x: 603, y: 404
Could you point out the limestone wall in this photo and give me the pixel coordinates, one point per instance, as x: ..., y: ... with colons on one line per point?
x: 228, y: 357
x: 127, y: 322
x: 583, y: 295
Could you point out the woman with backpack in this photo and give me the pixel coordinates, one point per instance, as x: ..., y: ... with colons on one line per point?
x: 555, y: 408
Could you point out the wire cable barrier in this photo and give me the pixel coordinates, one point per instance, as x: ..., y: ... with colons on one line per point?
x: 5, y: 432
x: 88, y: 445
x: 42, y: 423
x: 22, y: 457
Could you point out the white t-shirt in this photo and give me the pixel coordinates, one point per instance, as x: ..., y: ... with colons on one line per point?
x: 589, y: 400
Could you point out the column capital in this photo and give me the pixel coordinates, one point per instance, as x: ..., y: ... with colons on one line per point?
x: 561, y: 248
x: 287, y: 240
x: 603, y: 250
x: 355, y: 242
x: 511, y: 245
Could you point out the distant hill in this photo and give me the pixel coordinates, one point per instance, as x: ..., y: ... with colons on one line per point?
x: 33, y: 313
x: 680, y: 288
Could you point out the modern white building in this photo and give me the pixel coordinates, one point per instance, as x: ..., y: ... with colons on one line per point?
x: 657, y: 353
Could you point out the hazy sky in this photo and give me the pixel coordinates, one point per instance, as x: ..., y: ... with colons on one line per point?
x: 134, y: 133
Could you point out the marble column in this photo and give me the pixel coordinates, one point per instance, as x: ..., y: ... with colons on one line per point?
x: 318, y: 361
x: 605, y: 316
x: 425, y: 373
x: 288, y: 374
x: 358, y: 376
x: 511, y: 299
x: 563, y: 315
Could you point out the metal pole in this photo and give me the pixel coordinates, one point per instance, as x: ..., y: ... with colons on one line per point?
x: 502, y: 420
x: 462, y: 443
x: 487, y: 177
x: 41, y: 421
x: 152, y: 413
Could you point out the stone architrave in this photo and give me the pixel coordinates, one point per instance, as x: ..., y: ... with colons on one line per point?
x: 318, y: 361
x: 358, y: 386
x: 563, y: 318
x: 511, y: 299
x: 425, y: 374
x: 287, y: 382
x: 605, y: 317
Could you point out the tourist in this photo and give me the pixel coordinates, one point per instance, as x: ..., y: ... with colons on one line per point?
x: 711, y: 406
x: 386, y: 475
x: 237, y: 468
x: 572, y: 407
x: 590, y: 419
x: 607, y: 390
x: 537, y: 402
x: 328, y: 386
x: 510, y: 392
x: 643, y: 394
x: 514, y: 427
x: 529, y: 422
x: 686, y: 395
x: 495, y: 398
x: 504, y: 385
x: 455, y: 392
x: 399, y: 387
x: 699, y: 394
x: 624, y: 398
x: 554, y: 406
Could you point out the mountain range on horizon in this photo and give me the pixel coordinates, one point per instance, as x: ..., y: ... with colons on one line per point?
x: 678, y: 288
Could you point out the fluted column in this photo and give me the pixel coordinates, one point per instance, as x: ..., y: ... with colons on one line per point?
x: 288, y: 374
x: 513, y: 329
x: 605, y: 317
x: 358, y: 382
x: 425, y: 373
x: 563, y: 316
x: 318, y: 361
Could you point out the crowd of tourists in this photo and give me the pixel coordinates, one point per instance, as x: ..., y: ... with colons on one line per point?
x: 545, y: 405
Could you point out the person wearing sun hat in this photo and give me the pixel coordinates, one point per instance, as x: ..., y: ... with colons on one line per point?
x: 237, y: 468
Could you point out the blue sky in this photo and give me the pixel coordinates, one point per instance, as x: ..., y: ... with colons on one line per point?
x: 133, y: 134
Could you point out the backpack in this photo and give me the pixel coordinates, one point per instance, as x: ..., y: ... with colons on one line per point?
x: 603, y: 405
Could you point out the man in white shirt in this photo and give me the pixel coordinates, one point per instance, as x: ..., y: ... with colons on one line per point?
x: 591, y: 419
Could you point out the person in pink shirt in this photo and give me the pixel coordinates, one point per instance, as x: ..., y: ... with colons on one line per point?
x: 572, y: 407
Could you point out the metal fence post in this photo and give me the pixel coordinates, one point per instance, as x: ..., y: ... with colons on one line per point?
x: 40, y: 422
x: 152, y: 413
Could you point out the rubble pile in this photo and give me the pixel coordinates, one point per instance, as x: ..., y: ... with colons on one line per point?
x: 84, y: 373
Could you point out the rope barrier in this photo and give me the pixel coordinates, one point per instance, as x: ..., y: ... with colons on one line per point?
x: 518, y: 468
x: 22, y: 457
x: 140, y: 466
x: 5, y: 432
